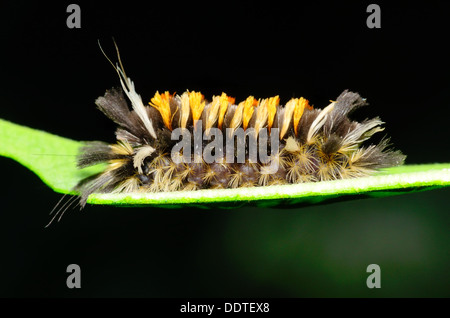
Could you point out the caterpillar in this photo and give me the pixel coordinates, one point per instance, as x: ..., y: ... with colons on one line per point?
x: 184, y: 142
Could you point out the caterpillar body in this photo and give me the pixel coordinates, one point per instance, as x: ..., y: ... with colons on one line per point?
x: 294, y: 143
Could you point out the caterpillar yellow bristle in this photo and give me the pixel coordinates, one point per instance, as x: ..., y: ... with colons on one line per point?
x: 185, y: 142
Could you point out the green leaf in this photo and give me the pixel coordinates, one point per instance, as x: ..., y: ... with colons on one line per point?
x: 53, y: 159
x: 50, y: 157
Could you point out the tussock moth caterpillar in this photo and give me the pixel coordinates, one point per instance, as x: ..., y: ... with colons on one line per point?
x: 182, y: 142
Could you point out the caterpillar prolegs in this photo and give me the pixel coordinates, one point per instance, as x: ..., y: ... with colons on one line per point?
x: 185, y: 142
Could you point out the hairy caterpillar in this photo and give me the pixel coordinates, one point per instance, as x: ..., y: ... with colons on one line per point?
x: 184, y: 142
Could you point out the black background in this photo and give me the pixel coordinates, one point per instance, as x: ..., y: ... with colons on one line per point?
x: 51, y: 75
